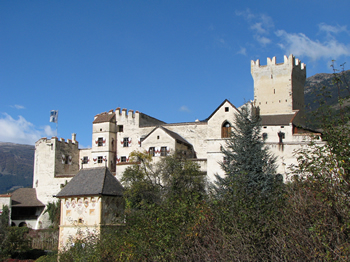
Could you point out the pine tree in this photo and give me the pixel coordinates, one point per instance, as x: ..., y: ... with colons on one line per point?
x: 248, y: 165
x: 249, y: 194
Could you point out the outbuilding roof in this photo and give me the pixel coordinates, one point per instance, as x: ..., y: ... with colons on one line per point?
x: 25, y: 197
x: 92, y: 181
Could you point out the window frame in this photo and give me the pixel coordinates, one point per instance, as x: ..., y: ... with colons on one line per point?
x: 152, y: 151
x: 125, y: 142
x: 163, y: 151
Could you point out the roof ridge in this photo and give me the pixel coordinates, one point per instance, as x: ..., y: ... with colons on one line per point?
x: 104, y: 180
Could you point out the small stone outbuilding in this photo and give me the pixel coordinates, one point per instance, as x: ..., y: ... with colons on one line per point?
x: 90, y: 203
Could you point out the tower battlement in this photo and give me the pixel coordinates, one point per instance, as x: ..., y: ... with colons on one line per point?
x: 290, y: 61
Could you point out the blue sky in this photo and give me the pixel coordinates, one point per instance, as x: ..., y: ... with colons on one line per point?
x: 174, y: 60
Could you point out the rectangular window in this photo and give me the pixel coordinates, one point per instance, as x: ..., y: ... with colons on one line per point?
x: 100, y: 159
x: 225, y: 161
x: 120, y: 128
x: 85, y: 160
x: 126, y: 142
x: 100, y: 141
x: 151, y: 151
x: 123, y: 159
x: 163, y: 151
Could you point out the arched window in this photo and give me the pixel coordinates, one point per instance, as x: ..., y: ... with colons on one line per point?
x: 226, y: 129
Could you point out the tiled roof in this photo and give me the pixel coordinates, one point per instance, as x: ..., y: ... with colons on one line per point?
x: 92, y: 181
x: 104, y: 117
x: 25, y: 197
x: 280, y: 120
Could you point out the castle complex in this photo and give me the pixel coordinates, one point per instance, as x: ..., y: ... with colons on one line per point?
x: 278, y: 97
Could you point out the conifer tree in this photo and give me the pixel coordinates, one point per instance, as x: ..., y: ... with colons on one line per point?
x: 247, y: 163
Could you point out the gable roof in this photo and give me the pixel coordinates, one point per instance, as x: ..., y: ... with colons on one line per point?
x: 172, y: 134
x: 104, y: 117
x: 25, y: 197
x: 92, y: 181
x: 207, y: 119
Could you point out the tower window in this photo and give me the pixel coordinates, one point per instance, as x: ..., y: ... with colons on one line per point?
x: 120, y: 128
x: 100, y: 141
x: 226, y: 109
x: 100, y: 159
x: 126, y: 142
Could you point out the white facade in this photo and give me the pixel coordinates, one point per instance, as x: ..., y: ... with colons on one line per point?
x: 278, y: 95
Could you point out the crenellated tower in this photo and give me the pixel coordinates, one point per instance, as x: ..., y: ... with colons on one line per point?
x: 279, y: 88
x: 56, y: 161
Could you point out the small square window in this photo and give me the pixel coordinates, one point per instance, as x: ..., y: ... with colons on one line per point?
x: 100, y: 159
x: 226, y: 109
x: 123, y: 159
x: 120, y: 128
x: 126, y: 142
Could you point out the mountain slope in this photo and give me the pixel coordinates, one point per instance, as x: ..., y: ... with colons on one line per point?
x: 16, y: 166
x: 321, y: 87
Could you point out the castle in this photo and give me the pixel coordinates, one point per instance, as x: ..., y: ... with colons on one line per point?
x: 278, y: 96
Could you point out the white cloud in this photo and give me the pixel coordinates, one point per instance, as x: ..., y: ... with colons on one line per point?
x: 258, y: 28
x: 242, y: 51
x: 21, y: 131
x: 301, y: 45
x: 18, y: 107
x: 184, y: 109
x: 263, y: 40
x: 246, y: 14
x: 329, y: 29
x: 260, y: 24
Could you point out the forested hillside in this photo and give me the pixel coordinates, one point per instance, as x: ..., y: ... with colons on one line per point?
x: 16, y: 166
x: 321, y: 88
